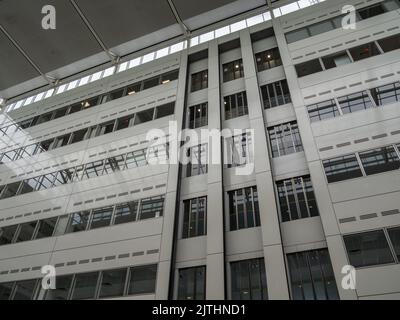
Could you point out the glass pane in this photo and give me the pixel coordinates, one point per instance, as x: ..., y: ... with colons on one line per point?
x: 63, y: 285
x: 7, y: 234
x: 364, y: 51
x: 142, y: 279
x: 126, y: 212
x: 380, y: 160
x: 355, y: 102
x: 394, y: 235
x: 46, y: 228
x: 5, y: 290
x: 151, y: 208
x: 25, y: 290
x: 101, y: 217
x: 368, y: 248
x: 323, y: 110
x: 112, y: 283
x: 26, y: 231
x: 85, y: 286
x: 342, y: 168
x: 78, y: 222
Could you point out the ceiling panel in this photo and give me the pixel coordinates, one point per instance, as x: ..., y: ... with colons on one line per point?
x: 191, y: 8
x: 49, y: 49
x: 119, y: 21
x: 14, y: 68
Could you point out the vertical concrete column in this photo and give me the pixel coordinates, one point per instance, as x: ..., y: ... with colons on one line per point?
x: 167, y: 237
x: 215, y: 274
x: 271, y: 237
x: 329, y: 223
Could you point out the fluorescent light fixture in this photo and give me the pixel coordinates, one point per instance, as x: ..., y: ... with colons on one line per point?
x: 108, y: 72
x: 123, y: 66
x: 206, y: 37
x: 255, y: 20
x: 162, y: 53
x: 222, y: 31
x: 166, y: 81
x: 148, y: 57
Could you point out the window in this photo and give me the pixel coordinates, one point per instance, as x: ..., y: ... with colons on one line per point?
x: 136, y: 159
x: 235, y: 105
x: 91, y: 102
x: 198, y: 163
x: 114, y: 164
x: 342, y: 168
x: 94, y: 169
x: 5, y: 290
x: 194, y: 217
x: 323, y: 110
x: 275, y: 94
x: 285, y: 139
x: 165, y: 110
x: 126, y: 212
x: 386, y: 94
x: 26, y: 231
x: 199, y: 81
x: 171, y: 76
x: 46, y: 228
x: 116, y: 94
x: 365, y: 51
x: 309, y: 67
x: 101, y: 217
x: 142, y: 279
x: 151, y: 208
x: 239, y: 152
x: 150, y: 83
x: 112, y: 283
x: 296, y: 199
x: 371, y: 11
x: 44, y: 146
x: 132, y: 89
x: 336, y: 60
x: 144, y: 116
x: 10, y: 190
x: 61, y: 141
x: 394, y: 236
x: 29, y: 185
x: 45, y: 118
x: 124, y: 122
x: 243, y: 208
x: 368, y: 249
x: 297, y: 35
x: 233, y: 70
x: 390, y: 43
x: 78, y: 222
x: 25, y: 290
x: 7, y: 234
x: 248, y: 280
x: 355, y: 102
x: 45, y: 182
x: 198, y: 116
x: 268, y: 59
x: 78, y: 136
x: 85, y: 286
x: 105, y: 128
x: 192, y: 283
x: 61, y: 292
x: 75, y: 108
x: 60, y: 112
x: 380, y: 160
x: 311, y: 276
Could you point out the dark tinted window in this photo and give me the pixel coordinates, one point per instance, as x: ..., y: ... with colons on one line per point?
x: 309, y: 67
x: 380, y: 160
x: 342, y: 168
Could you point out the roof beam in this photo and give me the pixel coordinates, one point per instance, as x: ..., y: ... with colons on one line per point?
x: 48, y: 79
x: 184, y: 27
x: 114, y: 58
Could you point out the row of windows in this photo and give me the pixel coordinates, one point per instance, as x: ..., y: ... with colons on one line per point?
x: 268, y: 59
x: 89, y: 133
x: 91, y: 102
x: 362, y: 163
x: 89, y: 285
x: 380, y: 96
x: 373, y: 247
x: 311, y: 278
x: 94, y: 169
x: 137, y: 210
x: 248, y: 281
x: 336, y: 22
x: 349, y: 56
x: 199, y: 81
